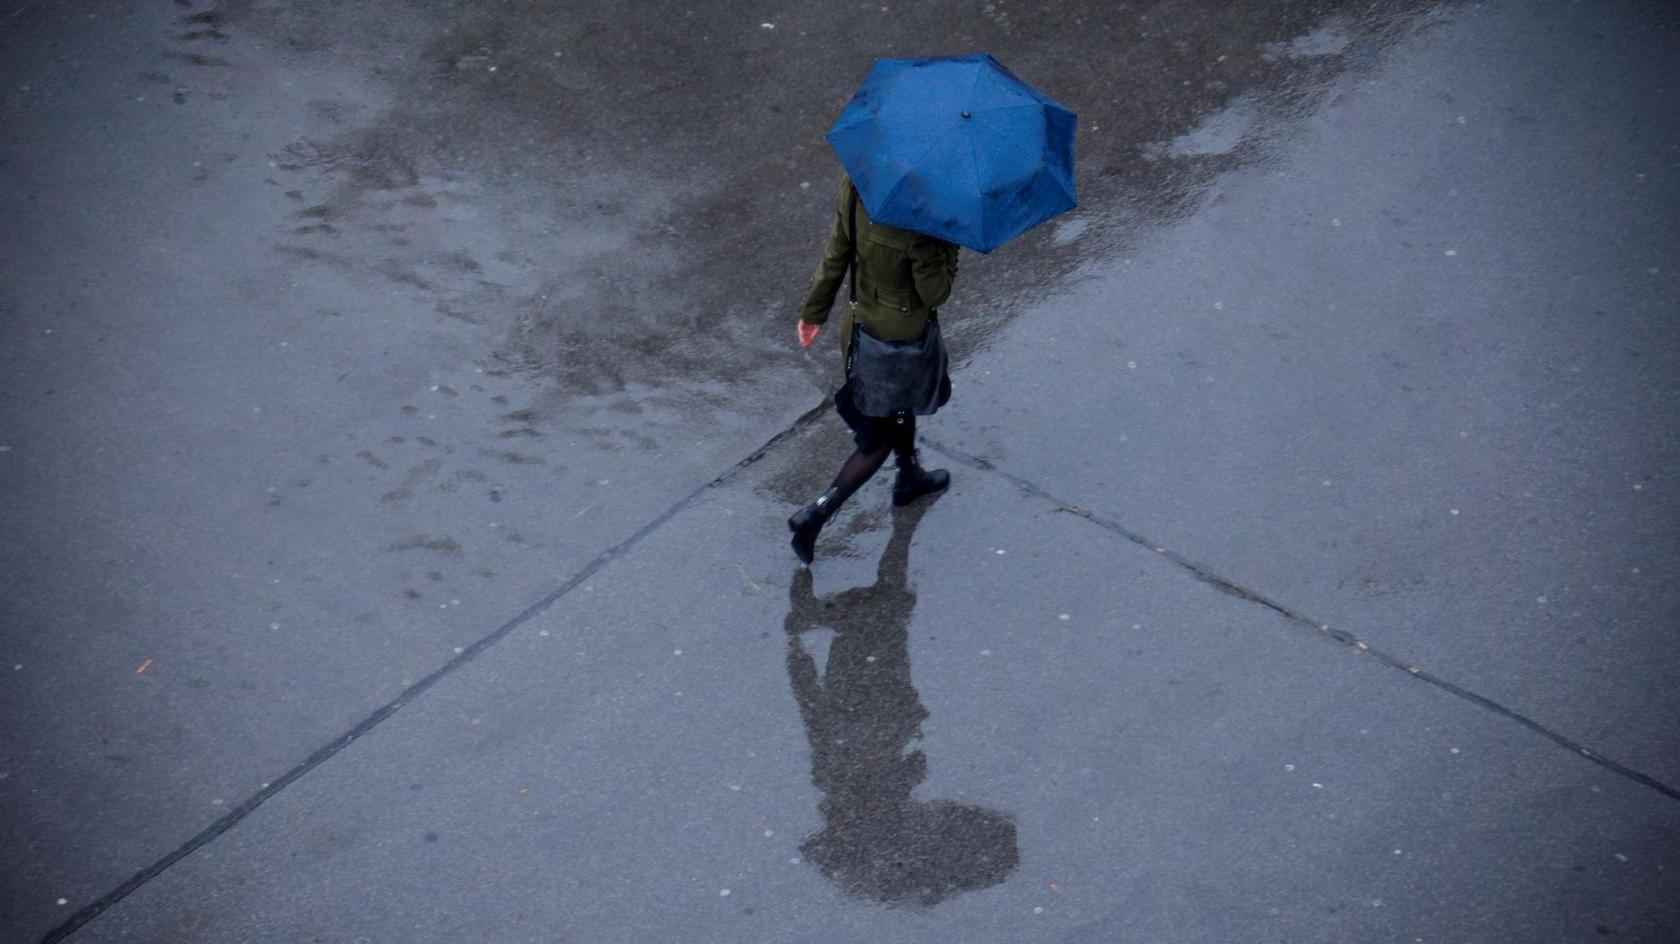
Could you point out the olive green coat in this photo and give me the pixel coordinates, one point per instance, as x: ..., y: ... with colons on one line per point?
x: 903, y: 276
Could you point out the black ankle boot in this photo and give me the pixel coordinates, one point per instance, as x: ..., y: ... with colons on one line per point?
x: 808, y: 521
x: 914, y: 481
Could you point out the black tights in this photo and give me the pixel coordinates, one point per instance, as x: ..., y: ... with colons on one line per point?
x: 862, y: 465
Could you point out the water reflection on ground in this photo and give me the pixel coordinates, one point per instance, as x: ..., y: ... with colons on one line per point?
x: 861, y: 714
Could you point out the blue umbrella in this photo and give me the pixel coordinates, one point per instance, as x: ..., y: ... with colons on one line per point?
x: 956, y: 147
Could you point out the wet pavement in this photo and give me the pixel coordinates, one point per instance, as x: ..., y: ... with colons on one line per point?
x: 404, y: 409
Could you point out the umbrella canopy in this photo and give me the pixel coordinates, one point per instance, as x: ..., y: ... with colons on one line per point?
x: 956, y: 147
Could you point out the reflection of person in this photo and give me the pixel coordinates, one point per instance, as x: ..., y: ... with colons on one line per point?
x: 860, y: 715
x: 902, y: 279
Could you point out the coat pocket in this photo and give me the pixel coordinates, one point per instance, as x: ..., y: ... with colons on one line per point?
x: 893, y: 300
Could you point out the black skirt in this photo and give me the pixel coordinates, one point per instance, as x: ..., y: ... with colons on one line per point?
x: 872, y: 432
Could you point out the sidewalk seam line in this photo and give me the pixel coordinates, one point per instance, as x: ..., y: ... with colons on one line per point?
x: 324, y: 753
x: 1208, y: 576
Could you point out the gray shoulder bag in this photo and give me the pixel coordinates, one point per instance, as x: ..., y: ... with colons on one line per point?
x: 893, y: 377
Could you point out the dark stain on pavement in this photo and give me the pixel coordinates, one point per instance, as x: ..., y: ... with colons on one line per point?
x: 660, y: 190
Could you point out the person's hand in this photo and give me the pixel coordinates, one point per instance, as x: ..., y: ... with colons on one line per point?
x: 808, y: 333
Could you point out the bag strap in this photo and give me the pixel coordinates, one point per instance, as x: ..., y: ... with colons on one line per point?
x: 851, y: 228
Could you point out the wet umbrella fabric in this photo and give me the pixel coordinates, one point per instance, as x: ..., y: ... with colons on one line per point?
x: 956, y: 147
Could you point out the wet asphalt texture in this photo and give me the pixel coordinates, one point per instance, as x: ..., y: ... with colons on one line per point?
x: 402, y: 409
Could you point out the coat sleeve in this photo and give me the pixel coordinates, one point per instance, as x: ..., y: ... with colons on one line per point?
x: 831, y: 272
x: 933, y: 263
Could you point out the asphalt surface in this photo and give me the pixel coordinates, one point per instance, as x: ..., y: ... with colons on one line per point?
x: 402, y: 410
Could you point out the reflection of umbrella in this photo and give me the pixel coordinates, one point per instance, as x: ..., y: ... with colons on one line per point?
x: 956, y: 147
x: 915, y: 853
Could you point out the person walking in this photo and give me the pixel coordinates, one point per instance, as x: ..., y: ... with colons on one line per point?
x: 946, y: 151
x: 899, y: 279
